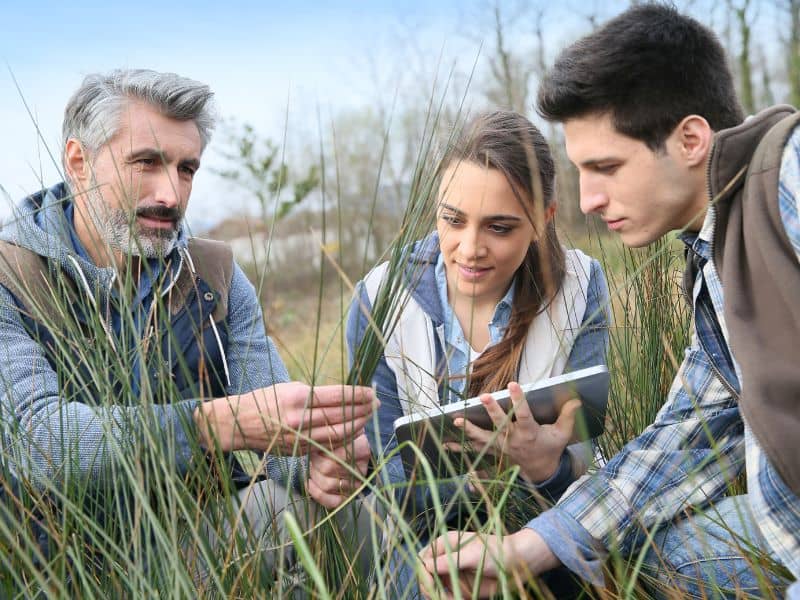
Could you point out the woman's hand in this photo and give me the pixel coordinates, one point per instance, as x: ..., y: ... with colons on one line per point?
x: 537, y: 449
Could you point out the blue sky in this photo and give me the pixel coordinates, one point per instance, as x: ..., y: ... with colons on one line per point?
x: 258, y: 56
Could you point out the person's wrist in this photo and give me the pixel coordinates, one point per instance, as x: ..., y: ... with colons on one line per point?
x: 214, y: 423
x: 527, y: 548
x: 543, y: 471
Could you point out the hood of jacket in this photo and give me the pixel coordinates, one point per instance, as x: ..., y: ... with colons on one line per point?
x: 39, y: 223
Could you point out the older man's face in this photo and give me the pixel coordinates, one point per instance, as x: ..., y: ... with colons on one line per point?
x: 140, y: 183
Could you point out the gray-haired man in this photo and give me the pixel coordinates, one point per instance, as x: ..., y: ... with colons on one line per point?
x: 160, y: 338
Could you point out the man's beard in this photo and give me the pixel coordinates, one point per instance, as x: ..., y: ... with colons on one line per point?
x: 119, y: 229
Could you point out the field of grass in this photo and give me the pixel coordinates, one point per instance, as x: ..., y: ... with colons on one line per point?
x: 142, y: 532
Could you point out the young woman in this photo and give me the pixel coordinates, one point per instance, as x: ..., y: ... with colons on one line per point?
x: 491, y: 297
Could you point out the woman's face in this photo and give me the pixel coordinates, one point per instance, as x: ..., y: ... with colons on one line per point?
x: 484, y: 233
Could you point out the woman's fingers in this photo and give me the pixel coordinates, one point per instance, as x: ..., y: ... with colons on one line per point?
x: 496, y: 412
x: 480, y: 438
x: 522, y: 411
x: 565, y: 424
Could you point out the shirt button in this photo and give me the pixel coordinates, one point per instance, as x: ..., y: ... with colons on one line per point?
x: 208, y: 296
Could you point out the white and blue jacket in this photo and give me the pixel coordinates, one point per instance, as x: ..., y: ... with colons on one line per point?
x: 425, y: 355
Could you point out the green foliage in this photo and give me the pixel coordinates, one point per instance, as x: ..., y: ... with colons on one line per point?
x: 648, y: 338
x: 257, y: 167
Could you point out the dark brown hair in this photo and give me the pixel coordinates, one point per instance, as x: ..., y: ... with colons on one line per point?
x: 510, y: 143
x: 648, y: 68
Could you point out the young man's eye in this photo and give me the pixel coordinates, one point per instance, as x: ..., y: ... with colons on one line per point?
x: 606, y: 169
x: 188, y: 171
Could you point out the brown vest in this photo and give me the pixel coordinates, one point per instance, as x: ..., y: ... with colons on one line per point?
x: 760, y: 275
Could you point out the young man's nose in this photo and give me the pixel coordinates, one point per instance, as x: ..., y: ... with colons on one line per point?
x: 593, y: 198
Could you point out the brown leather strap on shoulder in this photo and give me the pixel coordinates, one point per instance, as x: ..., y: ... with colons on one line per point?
x: 27, y: 276
x: 212, y: 260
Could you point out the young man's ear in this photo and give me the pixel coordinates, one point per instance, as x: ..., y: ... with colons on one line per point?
x: 694, y: 137
x: 76, y: 162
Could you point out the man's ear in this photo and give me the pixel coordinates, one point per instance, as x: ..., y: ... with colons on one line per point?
x: 694, y: 137
x: 76, y: 162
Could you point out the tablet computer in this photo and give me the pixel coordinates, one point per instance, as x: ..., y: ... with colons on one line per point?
x: 429, y: 429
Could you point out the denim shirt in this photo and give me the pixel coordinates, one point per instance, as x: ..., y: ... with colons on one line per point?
x: 458, y: 350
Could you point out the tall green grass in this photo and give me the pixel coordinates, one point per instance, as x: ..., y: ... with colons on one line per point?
x: 138, y: 529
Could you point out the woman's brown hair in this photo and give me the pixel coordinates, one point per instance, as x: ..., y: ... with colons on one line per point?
x: 510, y: 143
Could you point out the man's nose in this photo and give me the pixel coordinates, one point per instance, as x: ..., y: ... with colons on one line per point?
x: 166, y: 191
x: 593, y: 198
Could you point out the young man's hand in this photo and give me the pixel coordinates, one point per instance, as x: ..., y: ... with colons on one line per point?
x: 460, y: 558
x: 537, y: 449
x: 331, y: 473
x: 283, y: 418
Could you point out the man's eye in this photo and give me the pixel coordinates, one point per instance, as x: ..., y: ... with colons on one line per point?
x: 606, y: 169
x: 188, y: 171
x: 146, y: 162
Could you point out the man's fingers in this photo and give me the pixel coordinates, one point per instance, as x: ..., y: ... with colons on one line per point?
x: 330, y: 415
x: 433, y: 555
x: 342, y: 396
x: 325, y: 498
x: 332, y: 436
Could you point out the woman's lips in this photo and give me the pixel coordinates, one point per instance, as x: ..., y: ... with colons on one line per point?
x: 472, y: 273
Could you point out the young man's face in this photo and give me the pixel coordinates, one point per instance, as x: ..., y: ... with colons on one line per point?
x: 639, y: 193
x: 138, y: 184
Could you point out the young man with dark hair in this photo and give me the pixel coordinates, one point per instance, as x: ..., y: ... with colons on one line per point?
x: 652, y: 123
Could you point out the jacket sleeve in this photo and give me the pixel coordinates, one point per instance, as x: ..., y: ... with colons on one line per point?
x: 687, y: 456
x: 48, y: 440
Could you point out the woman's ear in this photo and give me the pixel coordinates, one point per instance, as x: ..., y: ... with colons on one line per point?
x: 694, y: 138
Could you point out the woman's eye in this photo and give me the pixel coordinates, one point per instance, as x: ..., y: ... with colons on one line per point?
x: 501, y: 229
x: 450, y: 219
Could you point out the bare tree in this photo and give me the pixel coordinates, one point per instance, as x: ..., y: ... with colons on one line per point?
x: 744, y: 22
x: 792, y: 43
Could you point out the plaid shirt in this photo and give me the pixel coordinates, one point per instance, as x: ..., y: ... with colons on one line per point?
x: 697, y: 444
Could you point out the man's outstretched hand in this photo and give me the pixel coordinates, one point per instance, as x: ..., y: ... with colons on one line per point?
x: 460, y: 558
x: 285, y: 418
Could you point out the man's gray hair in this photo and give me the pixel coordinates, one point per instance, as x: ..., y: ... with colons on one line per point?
x: 93, y: 113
